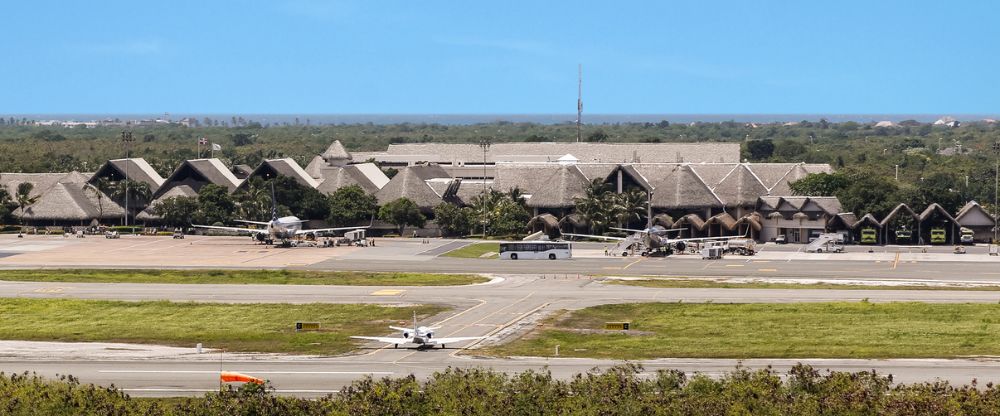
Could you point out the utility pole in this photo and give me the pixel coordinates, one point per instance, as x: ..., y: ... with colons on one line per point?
x: 127, y: 141
x: 996, y: 186
x: 485, y: 144
x: 579, y: 102
x: 897, y: 173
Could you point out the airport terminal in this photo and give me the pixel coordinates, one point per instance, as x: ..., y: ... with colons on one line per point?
x: 700, y: 189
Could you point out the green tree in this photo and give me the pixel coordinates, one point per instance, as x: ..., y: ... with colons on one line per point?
x: 402, y: 212
x: 301, y: 201
x: 254, y: 200
x: 454, y: 220
x: 599, y: 206
x: 632, y: 207
x: 351, y: 205
x: 7, y: 206
x: 24, y: 197
x: 505, y: 213
x: 759, y: 150
x: 97, y: 190
x: 177, y: 211
x: 215, y: 205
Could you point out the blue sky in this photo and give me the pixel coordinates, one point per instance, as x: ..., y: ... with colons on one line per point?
x: 311, y: 56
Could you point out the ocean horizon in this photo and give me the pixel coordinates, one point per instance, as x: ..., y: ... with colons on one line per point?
x: 469, y: 119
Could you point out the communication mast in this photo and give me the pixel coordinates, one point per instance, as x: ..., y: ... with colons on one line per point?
x: 579, y: 101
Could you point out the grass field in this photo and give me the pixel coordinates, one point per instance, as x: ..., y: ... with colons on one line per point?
x: 278, y: 277
x: 796, y: 330
x: 708, y: 283
x: 234, y: 327
x: 476, y: 251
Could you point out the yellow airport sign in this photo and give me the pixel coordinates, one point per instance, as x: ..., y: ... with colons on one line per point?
x: 617, y: 326
x: 306, y: 326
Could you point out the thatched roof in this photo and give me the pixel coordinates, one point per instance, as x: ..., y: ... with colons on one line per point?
x: 336, y: 178
x: 336, y: 152
x: 724, y: 219
x: 934, y: 208
x: 846, y: 219
x: 575, y: 220
x: 411, y: 183
x: 630, y: 172
x: 542, y: 152
x: 560, y: 189
x: 271, y: 168
x: 40, y: 182
x: 973, y: 215
x: 137, y: 168
x: 680, y: 186
x: 663, y: 220
x: 795, y: 172
x: 548, y: 222
x: 691, y: 220
x: 68, y: 201
x: 900, y: 209
x: 868, y: 220
x: 177, y: 191
x: 740, y: 187
x: 199, y: 172
x: 753, y: 219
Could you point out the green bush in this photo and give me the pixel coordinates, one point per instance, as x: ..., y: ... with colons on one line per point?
x: 618, y: 390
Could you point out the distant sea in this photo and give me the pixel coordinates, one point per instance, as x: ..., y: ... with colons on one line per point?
x: 465, y: 119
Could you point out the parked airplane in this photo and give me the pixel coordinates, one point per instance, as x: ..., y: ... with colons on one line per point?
x: 281, y: 229
x: 653, y: 240
x: 421, y: 336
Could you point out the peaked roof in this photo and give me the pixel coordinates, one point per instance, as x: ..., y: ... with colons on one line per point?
x: 560, y: 189
x: 40, y: 182
x: 284, y: 167
x: 681, y: 187
x: 198, y: 171
x: 740, y: 187
x: 967, y: 216
x: 66, y: 201
x: 936, y: 208
x: 411, y: 183
x: 901, y: 208
x: 336, y: 178
x: 137, y: 168
x: 336, y: 151
x: 867, y: 220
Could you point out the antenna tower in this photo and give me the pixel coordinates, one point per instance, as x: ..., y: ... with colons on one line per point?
x: 579, y: 101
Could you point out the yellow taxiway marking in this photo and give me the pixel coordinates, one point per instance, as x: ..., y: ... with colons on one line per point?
x: 49, y: 290
x: 767, y: 270
x: 388, y: 292
x: 762, y: 261
x: 611, y: 268
x: 896, y: 262
x: 630, y: 264
x: 734, y: 265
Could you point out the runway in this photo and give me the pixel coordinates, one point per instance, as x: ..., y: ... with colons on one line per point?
x: 521, y: 292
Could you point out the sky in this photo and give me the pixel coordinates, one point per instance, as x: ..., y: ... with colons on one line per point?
x: 500, y: 57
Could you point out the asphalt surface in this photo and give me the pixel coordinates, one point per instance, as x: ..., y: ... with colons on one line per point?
x: 522, y: 292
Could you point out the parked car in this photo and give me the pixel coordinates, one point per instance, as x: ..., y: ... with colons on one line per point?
x: 780, y: 239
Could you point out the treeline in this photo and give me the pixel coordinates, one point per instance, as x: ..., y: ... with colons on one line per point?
x: 617, y: 391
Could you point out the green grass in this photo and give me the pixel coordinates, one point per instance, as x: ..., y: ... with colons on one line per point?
x: 277, y: 277
x: 233, y: 327
x: 795, y: 330
x: 476, y: 251
x: 708, y: 283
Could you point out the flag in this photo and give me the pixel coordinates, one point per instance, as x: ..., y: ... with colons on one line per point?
x: 202, y: 141
x: 216, y: 147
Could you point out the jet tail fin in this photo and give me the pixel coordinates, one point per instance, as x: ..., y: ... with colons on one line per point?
x: 274, y: 204
x: 414, y: 322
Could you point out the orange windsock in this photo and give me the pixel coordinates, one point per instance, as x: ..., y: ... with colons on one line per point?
x: 234, y: 377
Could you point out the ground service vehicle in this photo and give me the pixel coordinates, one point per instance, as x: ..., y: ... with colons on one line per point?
x: 937, y: 236
x: 781, y: 239
x: 742, y: 246
x: 903, y: 235
x: 535, y: 250
x: 868, y: 236
x: 967, y: 236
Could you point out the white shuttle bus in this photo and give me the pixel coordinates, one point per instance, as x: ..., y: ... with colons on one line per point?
x: 526, y: 250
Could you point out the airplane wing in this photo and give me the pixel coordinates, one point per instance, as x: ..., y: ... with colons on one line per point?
x: 603, y: 237
x: 401, y: 329
x: 234, y: 229
x: 675, y: 240
x: 438, y: 341
x: 387, y: 340
x: 323, y: 230
x: 253, y: 222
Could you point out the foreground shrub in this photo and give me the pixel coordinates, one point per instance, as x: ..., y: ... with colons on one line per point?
x: 620, y: 390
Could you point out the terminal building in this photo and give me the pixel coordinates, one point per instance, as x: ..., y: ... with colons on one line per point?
x: 700, y: 189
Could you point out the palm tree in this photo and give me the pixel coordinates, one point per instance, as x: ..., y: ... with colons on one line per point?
x: 255, y: 200
x: 632, y: 207
x: 138, y: 193
x: 599, y: 206
x: 97, y: 189
x: 24, y: 197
